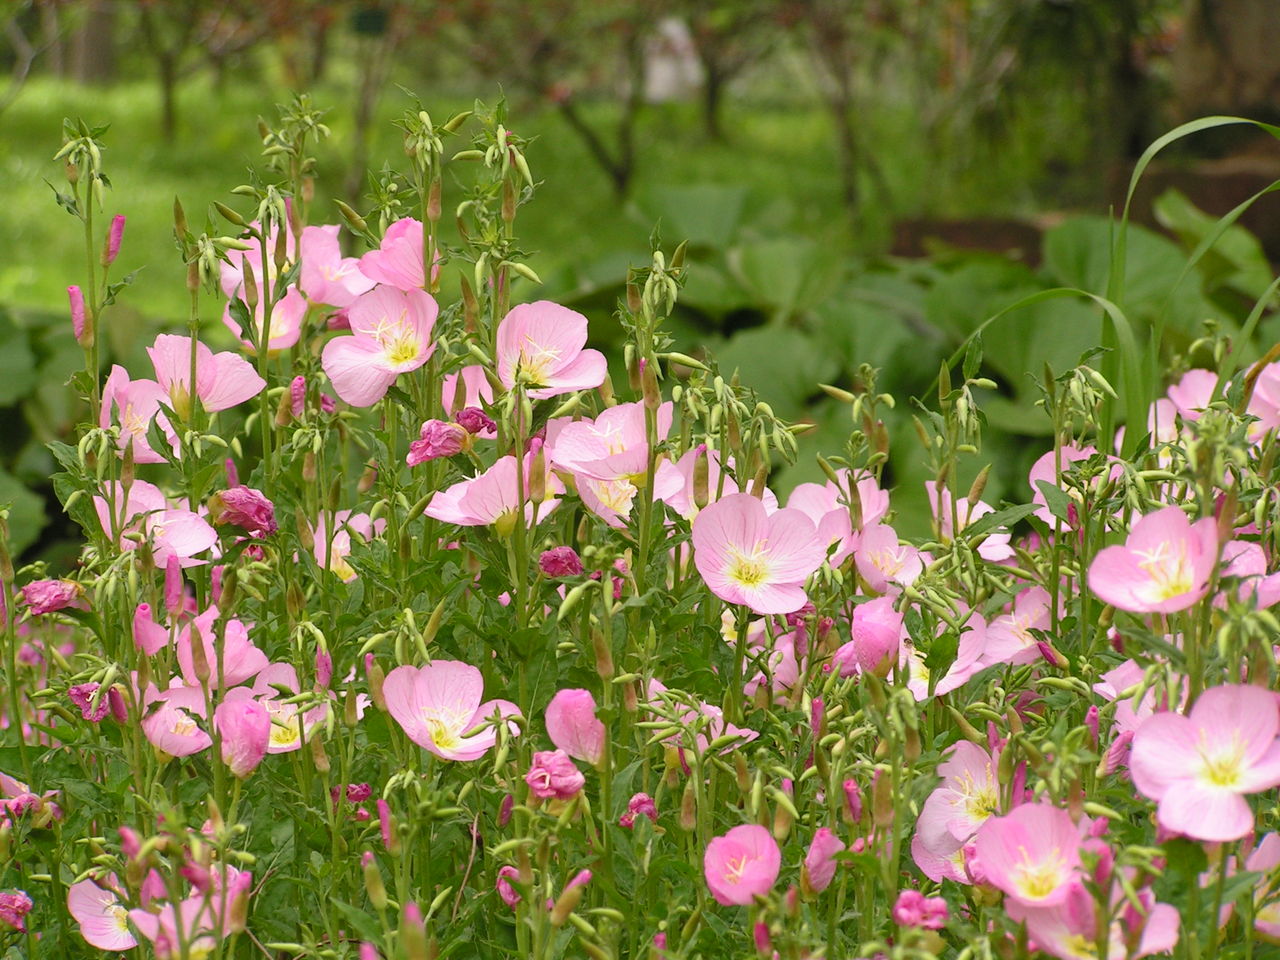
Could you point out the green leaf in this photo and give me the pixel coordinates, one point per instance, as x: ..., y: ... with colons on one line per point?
x: 942, y: 653
x: 1001, y: 518
x: 17, y: 362
x: 705, y: 214
x: 973, y: 357
x: 788, y: 275
x: 1056, y: 499
x: 26, y: 512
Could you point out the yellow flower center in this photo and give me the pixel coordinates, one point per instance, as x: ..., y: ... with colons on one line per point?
x: 1037, y: 880
x: 285, y: 731
x: 1223, y: 766
x: 748, y: 571
x: 120, y: 917
x: 734, y: 869
x: 443, y: 735
x: 1171, y: 575
x: 535, y: 363
x: 182, y: 724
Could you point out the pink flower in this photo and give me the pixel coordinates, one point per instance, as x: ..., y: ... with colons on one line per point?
x: 748, y: 557
x: 467, y: 389
x: 541, y: 345
x: 506, y: 891
x: 14, y: 907
x: 876, y: 629
x: 136, y: 404
x: 223, y: 380
x: 820, y: 862
x: 994, y: 547
x: 331, y: 552
x: 741, y: 865
x: 613, y: 445
x: 967, y: 797
x: 1164, y: 565
x: 76, y: 297
x: 553, y: 775
x: 104, y: 923
x: 245, y: 729
x: 82, y: 696
x: 1032, y: 854
x: 1199, y: 767
x: 285, y: 327
x: 171, y: 721
x: 491, y: 498
x: 560, y: 561
x: 438, y: 706
x: 1009, y: 636
x: 1069, y: 930
x: 326, y: 276
x: 47, y: 596
x: 398, y: 260
x: 883, y: 560
x: 573, y: 727
x: 241, y: 660
x: 913, y: 909
x: 392, y: 335
x: 246, y: 508
x: 438, y: 438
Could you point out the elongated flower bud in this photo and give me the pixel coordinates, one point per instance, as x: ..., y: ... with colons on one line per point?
x: 79, y: 325
x: 112, y: 248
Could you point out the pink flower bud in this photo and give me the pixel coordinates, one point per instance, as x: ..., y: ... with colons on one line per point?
x: 438, y: 439
x: 77, y: 311
x: 327, y: 403
x: 820, y: 861
x: 297, y: 395
x: 506, y: 809
x: 505, y: 890
x: 760, y: 935
x: 324, y: 667
x: 573, y: 727
x: 245, y: 728
x: 560, y: 562
x: 640, y: 805
x: 174, y: 590
x: 368, y: 951
x: 553, y: 775
x: 1091, y: 721
x: 474, y: 420
x: 130, y: 842
x: 876, y: 629
x: 113, y: 240
x: 853, y: 799
x: 233, y: 476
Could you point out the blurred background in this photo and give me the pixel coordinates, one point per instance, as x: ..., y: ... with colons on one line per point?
x: 861, y: 181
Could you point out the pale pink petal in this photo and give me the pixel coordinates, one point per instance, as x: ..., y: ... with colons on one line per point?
x: 1205, y: 813
x: 354, y: 367
x: 1165, y: 755
x: 234, y: 381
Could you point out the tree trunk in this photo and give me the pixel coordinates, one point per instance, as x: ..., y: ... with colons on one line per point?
x: 93, y: 47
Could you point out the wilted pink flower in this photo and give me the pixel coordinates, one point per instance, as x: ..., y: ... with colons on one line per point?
x: 14, y: 907
x: 246, y: 508
x: 560, y: 561
x: 76, y: 297
x: 573, y: 727
x: 82, y: 696
x: 746, y: 556
x: 640, y: 805
x: 326, y: 276
x: 1032, y: 854
x: 114, y: 238
x: 223, y: 380
x: 553, y: 776
x: 913, y: 909
x: 438, y: 438
x: 467, y: 389
x: 474, y: 420
x: 1164, y: 565
x: 541, y: 345
x: 507, y: 892
x: 438, y: 706
x: 391, y: 335
x: 820, y: 861
x: 245, y: 729
x: 47, y: 596
x: 741, y: 865
x: 1199, y: 767
x: 104, y: 923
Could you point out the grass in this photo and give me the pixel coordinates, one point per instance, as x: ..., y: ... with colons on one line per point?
x: 783, y: 151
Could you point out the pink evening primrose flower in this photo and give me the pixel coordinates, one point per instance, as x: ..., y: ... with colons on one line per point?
x: 398, y: 260
x: 1069, y: 930
x: 674, y: 482
x: 541, y: 345
x: 746, y: 556
x: 241, y: 659
x: 1164, y: 566
x: 438, y: 706
x: 172, y: 721
x: 326, y: 275
x: 994, y: 547
x: 573, y: 727
x: 104, y: 923
x: 1032, y: 854
x: 136, y: 403
x: 884, y: 561
x: 223, y: 380
x: 741, y: 865
x: 245, y: 729
x: 967, y: 797
x: 172, y: 532
x: 490, y: 498
x: 331, y: 552
x: 1199, y: 767
x: 392, y: 335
